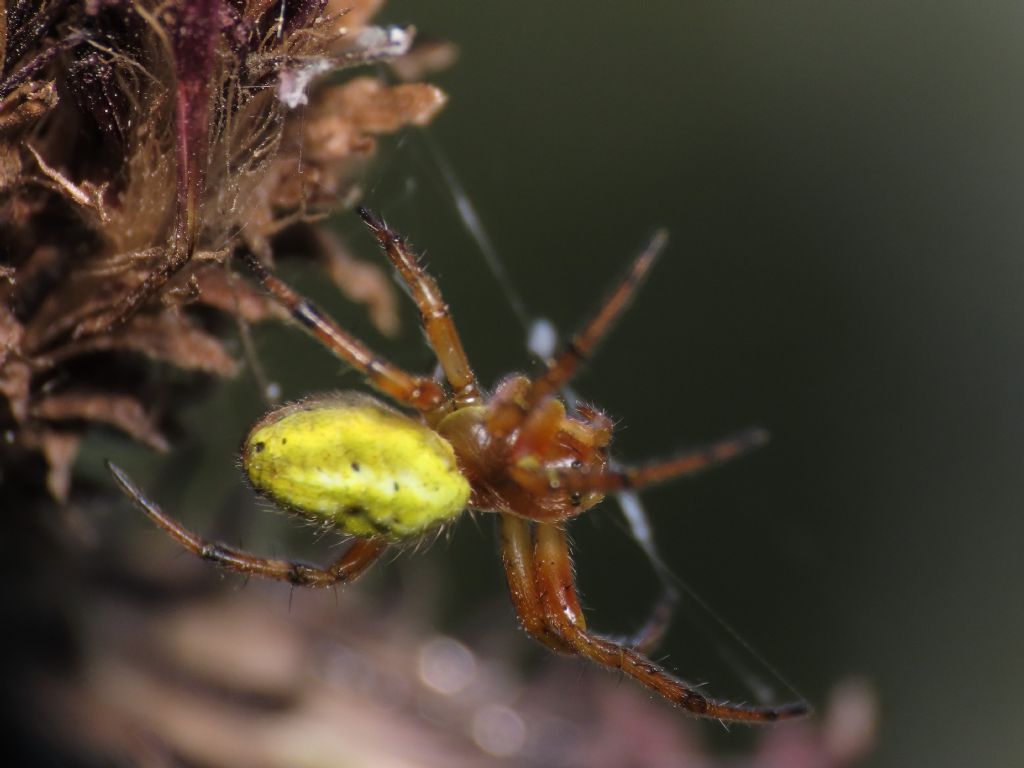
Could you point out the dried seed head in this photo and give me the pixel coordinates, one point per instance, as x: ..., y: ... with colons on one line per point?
x: 140, y: 145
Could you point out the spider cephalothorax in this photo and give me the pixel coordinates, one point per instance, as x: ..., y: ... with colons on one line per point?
x: 368, y: 470
x: 518, y: 469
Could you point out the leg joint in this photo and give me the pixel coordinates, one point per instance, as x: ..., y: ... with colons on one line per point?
x: 302, y: 575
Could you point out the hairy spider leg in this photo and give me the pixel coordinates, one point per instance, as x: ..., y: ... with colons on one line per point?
x: 419, y: 392
x: 436, y: 317
x: 353, y: 563
x: 681, y: 465
x: 560, y: 607
x: 517, y: 557
x: 585, y: 341
x: 650, y: 634
x: 508, y: 414
x: 620, y: 479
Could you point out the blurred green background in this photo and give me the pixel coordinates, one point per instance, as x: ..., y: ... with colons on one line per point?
x: 841, y: 181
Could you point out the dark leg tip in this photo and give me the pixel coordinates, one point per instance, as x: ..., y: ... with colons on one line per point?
x: 373, y: 221
x: 254, y: 264
x: 795, y: 710
x: 379, y: 227
x: 300, y: 575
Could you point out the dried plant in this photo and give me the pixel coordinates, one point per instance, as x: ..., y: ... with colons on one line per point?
x: 177, y: 678
x: 141, y: 145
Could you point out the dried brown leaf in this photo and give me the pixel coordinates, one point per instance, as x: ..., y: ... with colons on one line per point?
x: 361, y: 281
x: 87, y: 196
x: 87, y: 292
x: 26, y: 104
x: 169, y: 336
x: 136, y: 157
x: 28, y: 278
x: 120, y: 411
x: 15, y: 381
x: 11, y: 333
x: 10, y: 178
x: 60, y: 449
x: 425, y: 58
x: 343, y: 119
x: 354, y: 14
x: 233, y: 295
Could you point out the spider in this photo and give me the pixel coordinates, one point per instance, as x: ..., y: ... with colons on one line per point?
x: 384, y: 477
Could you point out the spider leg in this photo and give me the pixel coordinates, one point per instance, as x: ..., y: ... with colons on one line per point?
x: 583, y: 343
x: 435, y: 316
x: 650, y: 634
x: 356, y: 559
x: 556, y: 590
x: 517, y: 557
x: 419, y: 392
x: 688, y: 463
x: 653, y: 630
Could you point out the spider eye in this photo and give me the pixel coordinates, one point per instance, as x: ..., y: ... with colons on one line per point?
x: 576, y: 498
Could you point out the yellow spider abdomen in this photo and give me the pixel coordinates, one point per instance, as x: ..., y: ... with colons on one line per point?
x: 349, y: 460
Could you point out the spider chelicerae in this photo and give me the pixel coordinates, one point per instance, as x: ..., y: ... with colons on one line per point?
x: 386, y: 477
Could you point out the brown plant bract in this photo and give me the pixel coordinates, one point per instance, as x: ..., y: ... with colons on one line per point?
x: 142, y: 143
x: 179, y: 681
